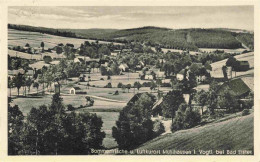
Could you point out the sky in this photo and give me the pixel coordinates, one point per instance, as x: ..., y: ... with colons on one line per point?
x: 175, y: 17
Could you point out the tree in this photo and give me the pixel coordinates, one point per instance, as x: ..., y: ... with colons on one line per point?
x: 228, y: 101
x: 18, y: 81
x: 128, y: 86
x: 201, y: 98
x: 158, y: 83
x: 115, y: 69
x: 10, y: 85
x: 137, y: 85
x: 212, y: 98
x: 42, y: 45
x: 119, y: 85
x: 36, y: 85
x: 171, y: 103
x: 28, y: 83
x: 92, y: 66
x: 47, y: 59
x: 152, y: 86
x: 123, y: 87
x: 134, y: 125
x: 15, y: 128
x: 224, y: 70
x: 27, y: 45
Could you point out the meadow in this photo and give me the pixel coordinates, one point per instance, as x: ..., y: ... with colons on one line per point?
x: 20, y: 38
x: 235, y: 133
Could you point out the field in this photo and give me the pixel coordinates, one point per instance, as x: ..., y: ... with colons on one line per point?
x: 20, y: 38
x: 34, y: 56
x: 232, y: 134
x: 217, y: 66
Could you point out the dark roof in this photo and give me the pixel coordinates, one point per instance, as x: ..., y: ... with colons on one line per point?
x: 236, y: 87
x: 135, y: 98
x: 243, y: 63
x: 182, y: 71
x: 76, y: 88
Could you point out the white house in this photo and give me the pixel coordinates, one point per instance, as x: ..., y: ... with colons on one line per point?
x: 123, y: 67
x: 114, y: 54
x: 74, y: 90
x: 180, y: 75
x: 148, y: 77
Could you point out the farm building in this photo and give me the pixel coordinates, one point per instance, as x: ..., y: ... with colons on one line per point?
x: 123, y: 67
x: 76, y: 90
x: 237, y: 87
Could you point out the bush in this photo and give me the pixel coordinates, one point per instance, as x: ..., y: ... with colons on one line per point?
x: 101, y: 78
x: 158, y: 128
x: 245, y: 112
x: 47, y: 59
x: 109, y: 85
x: 116, y: 92
x: 70, y: 107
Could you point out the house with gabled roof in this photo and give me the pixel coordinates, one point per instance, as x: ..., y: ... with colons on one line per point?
x: 236, y: 87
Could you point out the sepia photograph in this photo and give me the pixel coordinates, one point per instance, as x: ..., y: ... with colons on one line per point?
x: 130, y: 80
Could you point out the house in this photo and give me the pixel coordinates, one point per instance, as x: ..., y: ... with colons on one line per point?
x: 148, y: 77
x: 160, y: 75
x: 77, y: 90
x: 180, y: 75
x: 127, y: 50
x: 237, y: 87
x: 114, y: 54
x: 124, y: 67
x: 200, y: 78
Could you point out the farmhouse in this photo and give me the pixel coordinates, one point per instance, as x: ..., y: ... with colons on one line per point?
x: 237, y: 87
x: 124, y: 67
x: 76, y: 90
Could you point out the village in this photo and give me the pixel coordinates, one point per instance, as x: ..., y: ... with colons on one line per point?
x: 104, y: 78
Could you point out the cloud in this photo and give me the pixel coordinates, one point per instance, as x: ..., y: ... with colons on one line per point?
x: 128, y: 17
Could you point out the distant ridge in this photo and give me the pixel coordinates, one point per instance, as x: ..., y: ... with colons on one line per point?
x: 184, y: 39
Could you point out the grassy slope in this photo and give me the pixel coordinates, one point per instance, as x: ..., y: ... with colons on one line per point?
x: 235, y: 134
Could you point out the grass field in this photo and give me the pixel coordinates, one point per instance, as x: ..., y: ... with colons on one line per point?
x: 20, y: 38
x: 233, y: 134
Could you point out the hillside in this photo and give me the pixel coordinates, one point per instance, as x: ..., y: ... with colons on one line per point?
x: 233, y: 134
x: 187, y: 39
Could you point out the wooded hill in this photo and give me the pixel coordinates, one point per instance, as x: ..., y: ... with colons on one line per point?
x: 189, y: 39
